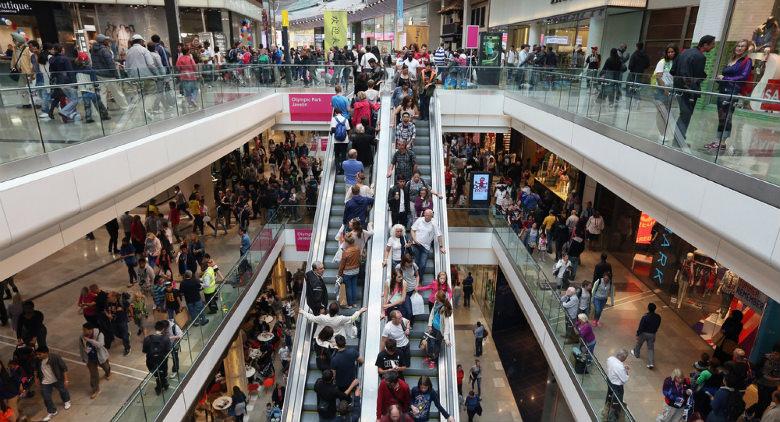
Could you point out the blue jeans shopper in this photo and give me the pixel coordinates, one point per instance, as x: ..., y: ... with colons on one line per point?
x: 194, y: 309
x: 598, y: 307
x: 46, y: 390
x: 350, y: 283
x: 421, y: 257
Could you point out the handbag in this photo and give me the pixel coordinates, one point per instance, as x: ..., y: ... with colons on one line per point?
x: 15, y: 72
x: 418, y: 305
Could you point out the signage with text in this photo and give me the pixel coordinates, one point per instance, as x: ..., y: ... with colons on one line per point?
x: 472, y: 36
x: 480, y: 187
x: 644, y: 233
x: 309, y: 107
x: 302, y: 239
x: 15, y: 8
x: 335, y: 23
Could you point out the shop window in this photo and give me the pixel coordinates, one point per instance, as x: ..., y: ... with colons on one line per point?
x: 478, y: 15
x: 669, y: 26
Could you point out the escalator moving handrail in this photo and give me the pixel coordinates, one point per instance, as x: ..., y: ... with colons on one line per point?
x: 299, y: 363
x: 448, y: 390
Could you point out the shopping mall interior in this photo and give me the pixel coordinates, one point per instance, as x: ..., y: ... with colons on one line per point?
x: 451, y: 210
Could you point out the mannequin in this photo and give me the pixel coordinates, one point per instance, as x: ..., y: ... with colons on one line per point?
x: 765, y: 35
x: 683, y: 278
x: 728, y: 285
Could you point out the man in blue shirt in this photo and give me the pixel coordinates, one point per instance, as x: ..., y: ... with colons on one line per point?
x: 340, y: 102
x: 351, y: 168
x: 356, y: 207
x: 246, y: 242
x: 345, y: 362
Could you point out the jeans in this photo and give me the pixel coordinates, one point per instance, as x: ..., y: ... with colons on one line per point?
x: 194, y: 309
x: 618, y: 392
x: 350, y: 284
x: 46, y: 390
x: 421, y: 258
x: 650, y: 339
x: 340, y: 150
x: 69, y: 110
x: 598, y: 307
x: 121, y: 331
x: 477, y: 381
x: 687, y: 103
x: 575, y: 262
x: 467, y: 298
x: 175, y: 358
x: 478, y: 346
x: 90, y: 99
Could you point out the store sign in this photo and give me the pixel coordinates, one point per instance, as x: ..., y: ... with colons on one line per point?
x: 750, y: 296
x: 480, y: 187
x: 302, y: 240
x: 309, y: 107
x: 556, y: 39
x: 644, y: 233
x: 324, y: 143
x: 662, y: 263
x: 771, y: 92
x: 15, y: 8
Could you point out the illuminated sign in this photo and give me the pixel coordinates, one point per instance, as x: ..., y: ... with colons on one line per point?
x: 644, y: 233
x: 480, y: 187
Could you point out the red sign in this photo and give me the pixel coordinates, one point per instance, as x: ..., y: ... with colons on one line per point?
x: 309, y: 107
x: 771, y: 92
x: 644, y: 233
x: 302, y: 240
x: 324, y: 143
x: 472, y: 36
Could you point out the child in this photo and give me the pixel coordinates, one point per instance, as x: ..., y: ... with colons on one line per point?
x: 171, y: 300
x: 158, y: 294
x: 703, y: 363
x: 88, y: 88
x: 541, y: 250
x: 139, y: 311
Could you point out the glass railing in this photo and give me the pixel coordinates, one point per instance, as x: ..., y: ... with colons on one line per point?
x: 36, y: 119
x: 144, y: 403
x: 711, y: 122
x: 592, y: 383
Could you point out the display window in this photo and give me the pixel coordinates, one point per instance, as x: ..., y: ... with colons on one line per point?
x: 557, y: 175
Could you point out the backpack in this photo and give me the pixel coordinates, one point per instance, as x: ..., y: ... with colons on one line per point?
x: 232, y: 55
x: 156, y: 347
x: 340, y: 134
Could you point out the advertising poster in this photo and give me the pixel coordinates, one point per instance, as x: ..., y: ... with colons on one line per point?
x: 302, y: 239
x: 335, y: 23
x: 644, y: 233
x: 472, y: 36
x: 490, y: 49
x: 480, y: 187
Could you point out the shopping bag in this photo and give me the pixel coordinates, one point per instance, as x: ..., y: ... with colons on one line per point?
x: 183, y: 317
x: 418, y: 306
x: 342, y: 298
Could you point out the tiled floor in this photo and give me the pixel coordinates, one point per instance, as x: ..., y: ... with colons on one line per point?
x: 498, y: 403
x: 677, y: 345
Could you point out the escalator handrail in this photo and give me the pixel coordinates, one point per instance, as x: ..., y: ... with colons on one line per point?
x: 372, y: 337
x: 448, y: 387
x: 299, y: 362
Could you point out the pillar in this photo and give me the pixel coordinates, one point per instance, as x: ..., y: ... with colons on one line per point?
x: 595, y: 35
x: 534, y: 31
x: 235, y: 365
x: 279, y: 278
x: 768, y: 331
x: 589, y: 192
x: 172, y: 20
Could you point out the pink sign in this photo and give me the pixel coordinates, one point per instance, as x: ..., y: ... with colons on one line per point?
x: 302, y: 239
x: 324, y: 143
x: 472, y: 36
x: 309, y: 107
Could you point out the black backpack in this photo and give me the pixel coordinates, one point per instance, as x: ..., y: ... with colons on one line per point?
x: 157, y: 347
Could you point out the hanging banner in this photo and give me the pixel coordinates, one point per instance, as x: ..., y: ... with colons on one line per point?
x: 335, y: 28
x: 302, y: 240
x: 472, y: 36
x: 285, y: 19
x: 644, y: 233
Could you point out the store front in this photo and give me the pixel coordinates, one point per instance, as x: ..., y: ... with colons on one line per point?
x: 43, y: 21
x: 698, y: 288
x: 551, y: 174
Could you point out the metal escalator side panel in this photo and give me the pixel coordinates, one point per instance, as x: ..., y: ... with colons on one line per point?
x: 299, y: 363
x: 371, y: 335
x: 448, y: 387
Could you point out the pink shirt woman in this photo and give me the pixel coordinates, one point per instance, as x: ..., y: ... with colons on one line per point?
x: 436, y: 287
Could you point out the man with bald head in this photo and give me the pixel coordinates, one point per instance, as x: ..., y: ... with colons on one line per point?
x: 316, y: 290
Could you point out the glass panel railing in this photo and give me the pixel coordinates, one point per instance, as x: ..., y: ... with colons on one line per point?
x: 708, y: 119
x: 593, y: 382
x: 76, y: 107
x: 145, y: 403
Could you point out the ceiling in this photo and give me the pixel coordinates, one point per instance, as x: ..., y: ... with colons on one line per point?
x: 311, y: 12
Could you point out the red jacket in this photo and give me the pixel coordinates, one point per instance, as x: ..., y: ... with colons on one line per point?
x: 360, y: 110
x: 402, y: 397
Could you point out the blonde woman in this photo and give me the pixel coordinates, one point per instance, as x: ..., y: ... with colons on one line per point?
x: 732, y: 78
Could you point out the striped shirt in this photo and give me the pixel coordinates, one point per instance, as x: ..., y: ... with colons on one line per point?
x: 439, y: 56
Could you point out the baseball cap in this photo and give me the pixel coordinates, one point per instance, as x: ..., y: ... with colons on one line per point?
x: 137, y: 37
x: 101, y: 38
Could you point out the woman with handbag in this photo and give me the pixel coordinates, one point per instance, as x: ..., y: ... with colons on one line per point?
x: 727, y: 338
x: 394, y: 294
x: 438, y: 328
x: 412, y: 279
x: 731, y: 80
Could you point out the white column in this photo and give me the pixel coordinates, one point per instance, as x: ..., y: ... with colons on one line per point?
x: 589, y: 191
x: 595, y: 34
x: 534, y: 31
x: 711, y: 19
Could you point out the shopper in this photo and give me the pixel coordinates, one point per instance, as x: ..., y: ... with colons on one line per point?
x: 424, y: 231
x: 617, y: 375
x: 190, y: 288
x: 94, y: 354
x: 475, y: 376
x: 648, y: 327
x: 731, y: 81
x: 156, y: 347
x: 676, y: 391
x: 473, y: 406
x: 345, y: 362
x: 392, y: 391
x: 601, y: 268
x: 52, y: 373
x: 397, y: 328
x: 316, y: 289
x: 342, y: 325
x: 603, y: 290
x: 399, y: 202
x: 585, y: 331
x: 438, y: 328
x: 29, y: 327
x: 688, y: 72
x: 422, y: 397
x: 349, y: 269
x: 479, y: 337
x: 662, y: 78
x: 328, y: 393
x: 468, y: 290
x: 174, y: 333
x: 389, y: 359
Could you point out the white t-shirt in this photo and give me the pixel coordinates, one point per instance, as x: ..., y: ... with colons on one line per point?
x: 412, y: 65
x: 372, y: 95
x: 364, y: 61
x: 48, y: 374
x: 426, y: 232
x: 396, y: 247
x: 396, y: 332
